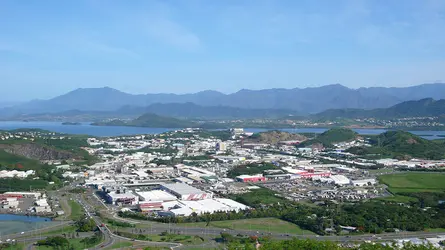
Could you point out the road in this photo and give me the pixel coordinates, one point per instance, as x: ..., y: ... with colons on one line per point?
x: 156, y: 228
x: 90, y: 202
x: 110, y: 237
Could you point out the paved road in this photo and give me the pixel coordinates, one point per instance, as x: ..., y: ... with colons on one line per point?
x: 148, y: 227
x: 156, y: 229
x: 110, y: 237
x: 40, y: 230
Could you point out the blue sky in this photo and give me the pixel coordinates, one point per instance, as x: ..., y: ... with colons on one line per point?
x: 180, y: 46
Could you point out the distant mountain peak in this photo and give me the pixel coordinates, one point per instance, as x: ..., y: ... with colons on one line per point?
x: 305, y: 100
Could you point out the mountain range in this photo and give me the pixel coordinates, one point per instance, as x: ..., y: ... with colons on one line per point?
x: 418, y: 108
x: 179, y: 110
x: 300, y: 100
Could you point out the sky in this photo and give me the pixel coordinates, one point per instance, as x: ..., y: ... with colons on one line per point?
x: 50, y: 47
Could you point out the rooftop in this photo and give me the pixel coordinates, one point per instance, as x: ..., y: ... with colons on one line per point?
x: 182, y: 189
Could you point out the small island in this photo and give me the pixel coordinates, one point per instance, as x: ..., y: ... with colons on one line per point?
x: 71, y: 123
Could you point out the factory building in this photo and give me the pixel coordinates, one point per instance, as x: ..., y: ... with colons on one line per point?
x: 23, y: 194
x: 148, y: 206
x: 155, y: 195
x: 279, y: 177
x: 250, y: 178
x: 186, y: 208
x: 340, y: 180
x: 185, y: 192
x: 123, y: 198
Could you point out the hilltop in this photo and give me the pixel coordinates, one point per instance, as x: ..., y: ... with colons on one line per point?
x: 273, y: 137
x: 418, y: 108
x: 403, y: 145
x: 152, y: 121
x: 331, y: 136
x: 43, y: 147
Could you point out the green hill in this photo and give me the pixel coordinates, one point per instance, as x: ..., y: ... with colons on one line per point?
x: 418, y: 108
x: 151, y: 121
x: 403, y: 145
x: 331, y: 136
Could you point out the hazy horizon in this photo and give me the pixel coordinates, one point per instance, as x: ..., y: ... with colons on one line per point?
x: 50, y: 48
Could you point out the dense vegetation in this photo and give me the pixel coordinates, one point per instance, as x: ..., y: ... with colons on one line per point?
x: 248, y: 243
x: 73, y: 145
x: 258, y: 196
x: 250, y: 169
x: 56, y: 242
x: 402, y: 145
x: 11, y: 161
x: 116, y: 223
x: 331, y: 136
x: 273, y: 137
x: 66, y: 148
x: 367, y: 217
x: 15, y: 184
x: 85, y: 225
x: 46, y: 173
x: 419, y: 108
x: 92, y: 240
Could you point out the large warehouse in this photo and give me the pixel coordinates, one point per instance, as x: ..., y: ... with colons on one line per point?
x: 155, y: 195
x: 186, y: 208
x: 185, y: 192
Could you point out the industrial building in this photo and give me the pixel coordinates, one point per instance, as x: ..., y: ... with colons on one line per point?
x: 33, y: 195
x: 155, y: 195
x: 185, y: 192
x: 121, y: 198
x: 251, y: 178
x: 148, y: 206
x: 339, y: 180
x: 186, y: 208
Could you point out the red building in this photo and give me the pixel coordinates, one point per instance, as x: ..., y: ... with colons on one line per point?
x: 251, y: 178
x: 150, y: 206
x: 315, y: 174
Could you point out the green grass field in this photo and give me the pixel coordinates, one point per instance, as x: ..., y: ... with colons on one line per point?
x: 176, y: 238
x: 398, y: 198
x: 76, y: 210
x: 414, y: 182
x: 260, y: 224
x: 258, y: 196
x: 77, y: 245
x: 16, y: 246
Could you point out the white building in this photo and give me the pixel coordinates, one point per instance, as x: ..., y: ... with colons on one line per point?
x: 185, y: 192
x: 340, y: 180
x: 155, y: 195
x: 122, y: 198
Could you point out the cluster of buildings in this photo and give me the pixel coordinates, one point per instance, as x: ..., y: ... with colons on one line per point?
x: 138, y: 171
x: 25, y: 203
x: 172, y: 199
x: 407, y: 122
x: 413, y: 163
x: 16, y: 174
